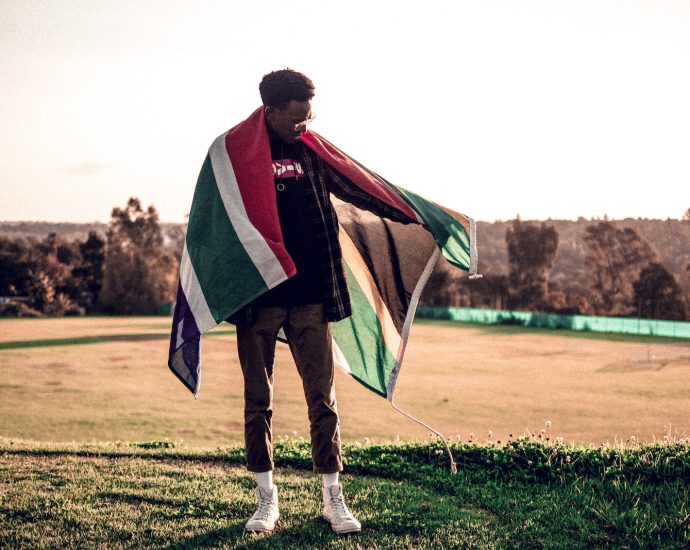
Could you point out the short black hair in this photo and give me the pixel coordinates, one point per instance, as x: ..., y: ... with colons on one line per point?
x: 278, y: 88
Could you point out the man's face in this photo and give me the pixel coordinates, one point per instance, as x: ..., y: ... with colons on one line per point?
x: 289, y: 122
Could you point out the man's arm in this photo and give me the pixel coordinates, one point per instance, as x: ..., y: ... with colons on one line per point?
x: 347, y: 191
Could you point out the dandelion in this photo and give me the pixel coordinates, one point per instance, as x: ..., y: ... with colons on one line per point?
x: 471, y: 436
x: 294, y: 434
x: 665, y: 439
x: 438, y: 452
x: 567, y: 459
x: 367, y: 441
x: 548, y: 423
x: 559, y: 440
x: 458, y: 437
x: 529, y: 462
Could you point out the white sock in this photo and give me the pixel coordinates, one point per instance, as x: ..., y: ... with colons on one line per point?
x: 264, y: 480
x: 330, y: 479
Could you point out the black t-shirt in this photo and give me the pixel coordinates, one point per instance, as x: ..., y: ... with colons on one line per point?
x: 291, y: 187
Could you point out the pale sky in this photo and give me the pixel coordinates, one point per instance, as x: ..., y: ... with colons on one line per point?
x: 549, y: 109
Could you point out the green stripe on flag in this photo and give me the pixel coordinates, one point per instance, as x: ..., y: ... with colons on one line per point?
x: 449, y: 233
x: 227, y: 276
x: 360, y: 338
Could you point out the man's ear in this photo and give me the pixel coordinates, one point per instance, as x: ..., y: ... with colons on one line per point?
x: 268, y: 114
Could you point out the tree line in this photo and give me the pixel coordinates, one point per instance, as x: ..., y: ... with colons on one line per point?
x: 622, y: 276
x: 133, y: 269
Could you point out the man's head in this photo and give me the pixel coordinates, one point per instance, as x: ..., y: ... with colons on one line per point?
x: 286, y: 96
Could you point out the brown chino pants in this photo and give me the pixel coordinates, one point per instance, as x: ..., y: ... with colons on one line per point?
x: 310, y: 343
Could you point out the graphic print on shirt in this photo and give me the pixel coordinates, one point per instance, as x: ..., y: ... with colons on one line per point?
x: 287, y: 168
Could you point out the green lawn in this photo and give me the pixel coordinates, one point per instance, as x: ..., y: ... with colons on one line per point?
x: 525, y: 495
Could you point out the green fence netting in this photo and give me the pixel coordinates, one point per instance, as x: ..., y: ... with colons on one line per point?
x: 620, y: 325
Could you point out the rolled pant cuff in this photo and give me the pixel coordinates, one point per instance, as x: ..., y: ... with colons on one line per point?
x: 257, y: 469
x: 328, y: 469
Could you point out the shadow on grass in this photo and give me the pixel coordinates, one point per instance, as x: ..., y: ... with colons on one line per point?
x: 309, y: 534
x: 137, y: 500
x: 84, y: 340
x: 209, y: 539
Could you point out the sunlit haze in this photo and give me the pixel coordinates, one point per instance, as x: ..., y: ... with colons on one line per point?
x: 549, y: 109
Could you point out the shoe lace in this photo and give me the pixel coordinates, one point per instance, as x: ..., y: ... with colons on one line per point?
x: 264, y: 510
x: 339, y: 508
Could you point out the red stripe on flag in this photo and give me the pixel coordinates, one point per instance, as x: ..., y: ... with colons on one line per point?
x: 352, y: 171
x: 250, y: 154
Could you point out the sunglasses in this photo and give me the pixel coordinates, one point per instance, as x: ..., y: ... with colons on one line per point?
x: 297, y: 125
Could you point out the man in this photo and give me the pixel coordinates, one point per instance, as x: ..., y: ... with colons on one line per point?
x: 264, y: 250
x: 303, y: 305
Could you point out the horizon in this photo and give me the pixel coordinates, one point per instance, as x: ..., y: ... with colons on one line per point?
x: 505, y: 220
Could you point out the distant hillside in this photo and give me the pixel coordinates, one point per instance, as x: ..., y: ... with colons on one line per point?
x: 671, y: 239
x: 39, y: 230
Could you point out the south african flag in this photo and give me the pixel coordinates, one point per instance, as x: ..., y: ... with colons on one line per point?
x: 233, y: 253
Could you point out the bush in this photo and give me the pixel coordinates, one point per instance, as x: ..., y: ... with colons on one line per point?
x: 18, y: 309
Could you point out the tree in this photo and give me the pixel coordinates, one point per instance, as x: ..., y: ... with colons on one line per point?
x: 139, y: 274
x: 491, y: 291
x: 531, y: 253
x: 614, y: 257
x: 89, y: 272
x: 15, y: 264
x: 51, y: 287
x: 435, y: 291
x: 658, y: 295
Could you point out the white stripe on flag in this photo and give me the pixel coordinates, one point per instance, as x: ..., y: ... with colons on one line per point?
x: 339, y: 358
x: 474, y: 258
x: 194, y: 294
x: 256, y: 246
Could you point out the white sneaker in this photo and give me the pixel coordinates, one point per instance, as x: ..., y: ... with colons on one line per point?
x: 266, y: 515
x: 336, y: 513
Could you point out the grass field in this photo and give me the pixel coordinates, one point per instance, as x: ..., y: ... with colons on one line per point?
x: 165, y: 471
x: 524, y: 495
x: 106, y: 379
